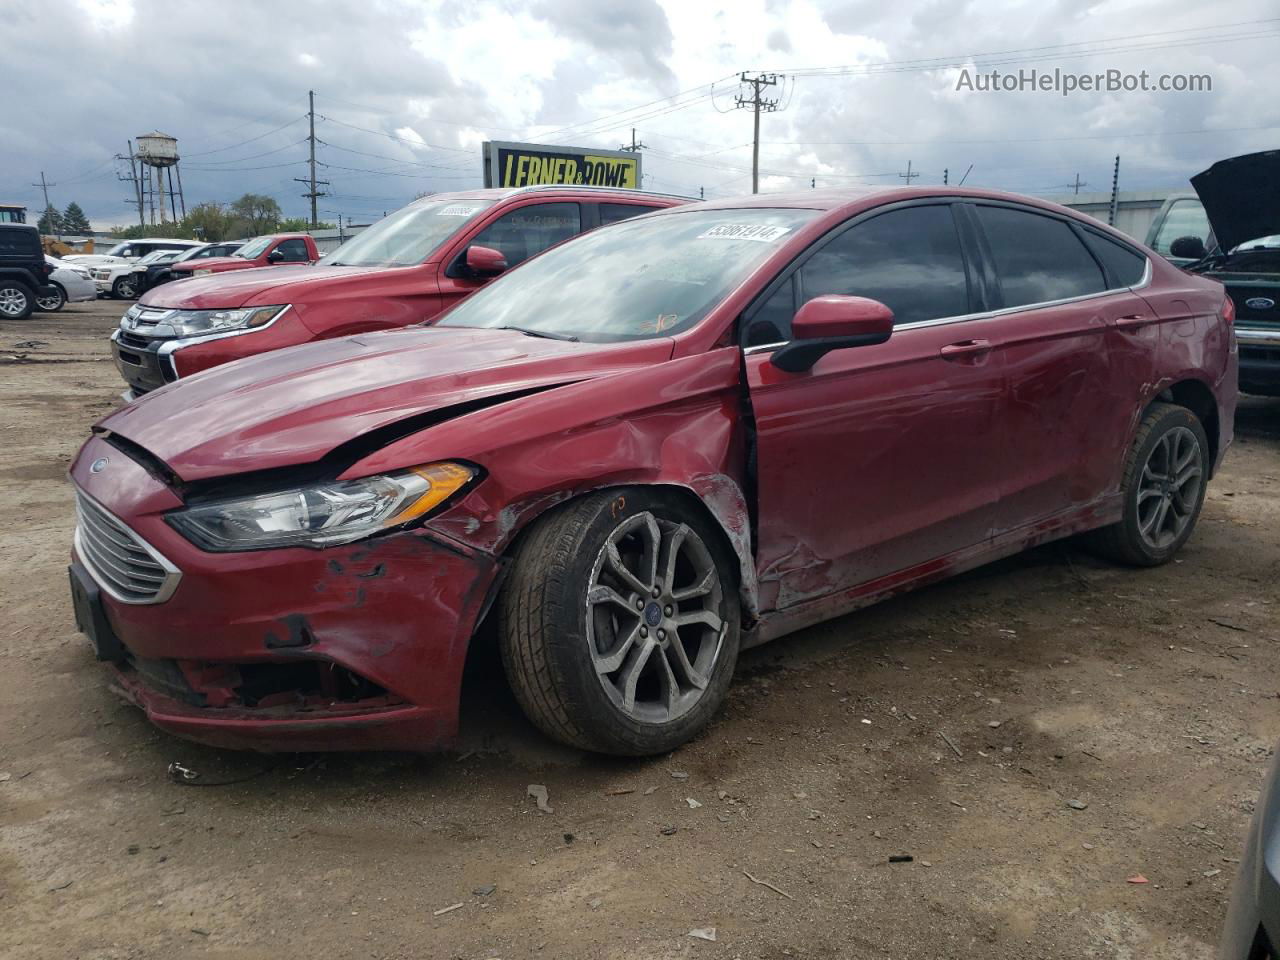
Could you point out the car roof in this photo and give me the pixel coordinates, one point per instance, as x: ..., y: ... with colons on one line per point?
x: 599, y: 193
x: 190, y: 243
x: 839, y: 197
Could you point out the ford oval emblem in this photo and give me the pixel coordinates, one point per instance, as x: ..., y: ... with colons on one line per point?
x: 98, y: 465
x: 1260, y: 303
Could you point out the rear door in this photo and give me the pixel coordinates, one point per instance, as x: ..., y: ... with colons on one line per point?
x: 518, y: 233
x: 1073, y: 380
x: 884, y: 457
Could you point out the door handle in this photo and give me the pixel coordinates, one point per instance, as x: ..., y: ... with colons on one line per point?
x: 1132, y: 320
x: 965, y: 348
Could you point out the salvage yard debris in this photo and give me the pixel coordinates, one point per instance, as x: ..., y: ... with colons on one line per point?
x: 539, y: 794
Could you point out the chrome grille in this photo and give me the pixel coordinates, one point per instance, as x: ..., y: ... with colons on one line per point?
x: 122, y: 563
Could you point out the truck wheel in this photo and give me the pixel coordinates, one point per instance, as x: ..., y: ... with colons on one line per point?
x: 16, y: 301
x: 54, y: 302
x: 1164, y: 482
x: 619, y: 622
x: 126, y: 288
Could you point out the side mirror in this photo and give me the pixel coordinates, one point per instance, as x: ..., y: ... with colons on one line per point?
x: 485, y: 261
x: 832, y: 323
x: 275, y: 256
x: 1187, y: 248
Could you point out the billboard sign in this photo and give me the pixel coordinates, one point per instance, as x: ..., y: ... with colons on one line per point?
x: 531, y: 164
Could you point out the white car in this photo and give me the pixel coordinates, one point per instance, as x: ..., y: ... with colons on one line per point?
x: 131, y: 251
x: 73, y: 285
x: 120, y: 280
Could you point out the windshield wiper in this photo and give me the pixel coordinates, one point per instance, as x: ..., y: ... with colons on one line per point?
x: 541, y: 333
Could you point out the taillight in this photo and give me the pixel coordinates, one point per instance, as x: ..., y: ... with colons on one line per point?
x: 1229, y: 310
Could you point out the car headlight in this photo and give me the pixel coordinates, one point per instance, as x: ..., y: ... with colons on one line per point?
x: 323, y: 514
x: 195, y: 323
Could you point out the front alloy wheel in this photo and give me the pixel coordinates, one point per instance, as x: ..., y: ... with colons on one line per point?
x: 619, y: 621
x: 52, y: 303
x: 126, y: 288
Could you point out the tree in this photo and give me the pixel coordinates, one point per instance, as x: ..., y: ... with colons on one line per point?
x: 74, y: 221
x: 209, y: 222
x: 258, y: 212
x: 50, y: 221
x: 300, y: 225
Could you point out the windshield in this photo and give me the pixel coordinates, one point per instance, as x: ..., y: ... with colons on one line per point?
x: 157, y: 255
x: 635, y: 280
x: 408, y: 236
x: 253, y: 247
x: 118, y: 250
x: 1261, y: 243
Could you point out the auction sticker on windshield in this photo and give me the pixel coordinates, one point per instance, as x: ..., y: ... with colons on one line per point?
x: 457, y: 210
x: 761, y: 232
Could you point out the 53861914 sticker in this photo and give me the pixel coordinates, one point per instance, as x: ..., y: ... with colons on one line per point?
x: 760, y: 232
x: 457, y: 210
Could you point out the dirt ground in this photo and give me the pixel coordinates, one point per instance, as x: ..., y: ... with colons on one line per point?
x: 1150, y: 696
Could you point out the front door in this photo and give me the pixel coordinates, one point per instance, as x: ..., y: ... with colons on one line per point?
x: 879, y: 458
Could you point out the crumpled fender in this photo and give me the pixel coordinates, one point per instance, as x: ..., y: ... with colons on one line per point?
x: 675, y: 423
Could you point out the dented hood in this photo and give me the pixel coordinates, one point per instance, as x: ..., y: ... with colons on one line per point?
x: 1241, y: 197
x: 293, y: 406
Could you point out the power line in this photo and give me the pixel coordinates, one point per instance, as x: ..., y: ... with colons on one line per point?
x: 1100, y: 136
x: 205, y: 153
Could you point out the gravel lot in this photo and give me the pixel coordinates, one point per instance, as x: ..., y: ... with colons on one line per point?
x: 1150, y: 697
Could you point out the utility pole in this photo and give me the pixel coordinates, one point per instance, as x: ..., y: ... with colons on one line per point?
x: 908, y: 176
x: 635, y: 146
x: 1115, y: 194
x: 945, y: 172
x: 45, y: 187
x: 757, y: 104
x: 701, y: 194
x: 311, y: 138
x: 137, y: 185
x: 1078, y: 184
x: 966, y: 176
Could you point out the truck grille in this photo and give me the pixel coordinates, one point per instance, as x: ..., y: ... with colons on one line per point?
x: 122, y: 563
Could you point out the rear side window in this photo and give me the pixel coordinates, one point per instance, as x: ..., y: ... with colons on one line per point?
x: 529, y: 230
x: 908, y: 259
x: 1124, y: 265
x: 1038, y: 258
x: 19, y: 243
x: 613, y: 212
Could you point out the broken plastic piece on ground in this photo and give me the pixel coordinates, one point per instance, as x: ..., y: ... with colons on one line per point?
x: 539, y: 794
x: 1137, y: 878
x: 704, y: 933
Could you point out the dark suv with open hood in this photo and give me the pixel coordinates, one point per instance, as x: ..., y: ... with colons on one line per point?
x: 1242, y: 199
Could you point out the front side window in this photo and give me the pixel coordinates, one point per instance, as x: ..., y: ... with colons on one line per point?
x: 527, y: 231
x: 409, y: 236
x: 1184, y: 218
x: 1038, y: 258
x: 294, y: 250
x: 908, y: 259
x: 638, y: 280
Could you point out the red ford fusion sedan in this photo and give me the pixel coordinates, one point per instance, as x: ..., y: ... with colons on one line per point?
x: 637, y: 454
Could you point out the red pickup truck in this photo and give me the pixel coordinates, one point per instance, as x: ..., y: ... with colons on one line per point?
x: 405, y: 269
x: 268, y: 251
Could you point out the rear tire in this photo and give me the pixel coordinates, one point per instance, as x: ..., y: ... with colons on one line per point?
x: 1165, y: 475
x: 619, y: 622
x: 54, y: 303
x: 16, y: 301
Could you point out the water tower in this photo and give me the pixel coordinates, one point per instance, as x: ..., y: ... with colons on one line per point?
x: 157, y: 154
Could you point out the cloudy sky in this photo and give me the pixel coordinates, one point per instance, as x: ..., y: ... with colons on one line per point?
x: 407, y: 92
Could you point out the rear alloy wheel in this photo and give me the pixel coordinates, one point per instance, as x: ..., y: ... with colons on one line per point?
x: 54, y: 302
x: 16, y: 303
x: 620, y: 622
x: 1164, y: 486
x: 126, y: 288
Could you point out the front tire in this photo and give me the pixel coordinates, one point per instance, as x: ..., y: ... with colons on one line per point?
x: 126, y: 288
x: 54, y: 302
x: 16, y: 301
x: 1164, y: 483
x: 619, y: 622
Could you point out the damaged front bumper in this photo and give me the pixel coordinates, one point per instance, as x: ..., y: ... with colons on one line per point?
x: 360, y: 646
